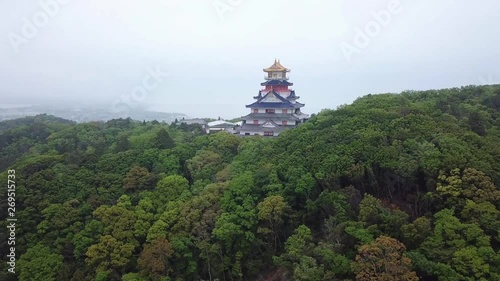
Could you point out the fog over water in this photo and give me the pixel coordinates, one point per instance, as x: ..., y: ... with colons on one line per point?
x: 115, y: 54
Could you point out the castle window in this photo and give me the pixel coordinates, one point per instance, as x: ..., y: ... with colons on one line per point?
x: 270, y: 111
x: 256, y: 110
x: 283, y: 122
x: 256, y: 122
x: 284, y: 111
x: 268, y: 133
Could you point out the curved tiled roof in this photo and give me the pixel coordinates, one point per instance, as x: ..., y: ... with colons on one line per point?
x: 276, y: 82
x: 280, y: 102
x: 258, y: 128
x: 276, y: 67
x: 258, y: 96
x: 271, y: 116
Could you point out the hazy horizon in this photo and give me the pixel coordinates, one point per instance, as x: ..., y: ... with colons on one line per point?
x: 99, y: 53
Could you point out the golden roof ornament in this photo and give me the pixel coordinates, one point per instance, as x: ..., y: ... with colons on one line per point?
x: 276, y: 67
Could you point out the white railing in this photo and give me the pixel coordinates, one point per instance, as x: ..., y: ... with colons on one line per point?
x: 276, y: 78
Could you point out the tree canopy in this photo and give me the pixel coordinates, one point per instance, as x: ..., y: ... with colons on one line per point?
x: 392, y: 187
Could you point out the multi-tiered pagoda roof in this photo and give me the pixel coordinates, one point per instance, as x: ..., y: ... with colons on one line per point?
x: 276, y: 107
x: 274, y: 100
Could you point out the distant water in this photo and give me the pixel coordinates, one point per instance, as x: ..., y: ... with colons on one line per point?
x: 10, y: 105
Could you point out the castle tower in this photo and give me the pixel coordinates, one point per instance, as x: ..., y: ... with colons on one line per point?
x: 276, y: 107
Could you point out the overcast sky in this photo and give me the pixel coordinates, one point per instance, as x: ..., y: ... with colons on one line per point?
x: 103, y: 52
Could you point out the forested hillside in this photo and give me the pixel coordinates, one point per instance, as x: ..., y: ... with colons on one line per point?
x: 393, y: 187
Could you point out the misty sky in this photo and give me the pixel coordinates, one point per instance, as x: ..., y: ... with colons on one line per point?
x: 100, y: 51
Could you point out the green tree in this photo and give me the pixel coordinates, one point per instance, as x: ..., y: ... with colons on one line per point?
x: 296, y: 246
x: 163, y: 140
x: 86, y: 237
x: 384, y: 259
x: 236, y: 226
x: 449, y: 235
x: 433, y: 270
x: 58, y: 219
x: 118, y: 220
x: 122, y: 143
x: 416, y: 232
x: 170, y: 188
x: 308, y: 269
x: 474, y: 263
x: 154, y: 258
x: 39, y: 263
x: 138, y: 179
x: 472, y: 184
x: 476, y: 123
x: 109, y: 253
x: 379, y: 219
x: 272, y: 212
x: 205, y: 165
x: 485, y: 215
x: 134, y: 277
x: 463, y: 246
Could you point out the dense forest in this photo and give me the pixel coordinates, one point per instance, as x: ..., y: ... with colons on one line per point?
x: 392, y: 187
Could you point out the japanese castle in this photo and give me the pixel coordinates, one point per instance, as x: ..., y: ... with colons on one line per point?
x: 276, y: 107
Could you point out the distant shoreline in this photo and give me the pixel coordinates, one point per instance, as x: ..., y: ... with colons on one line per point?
x: 11, y: 105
